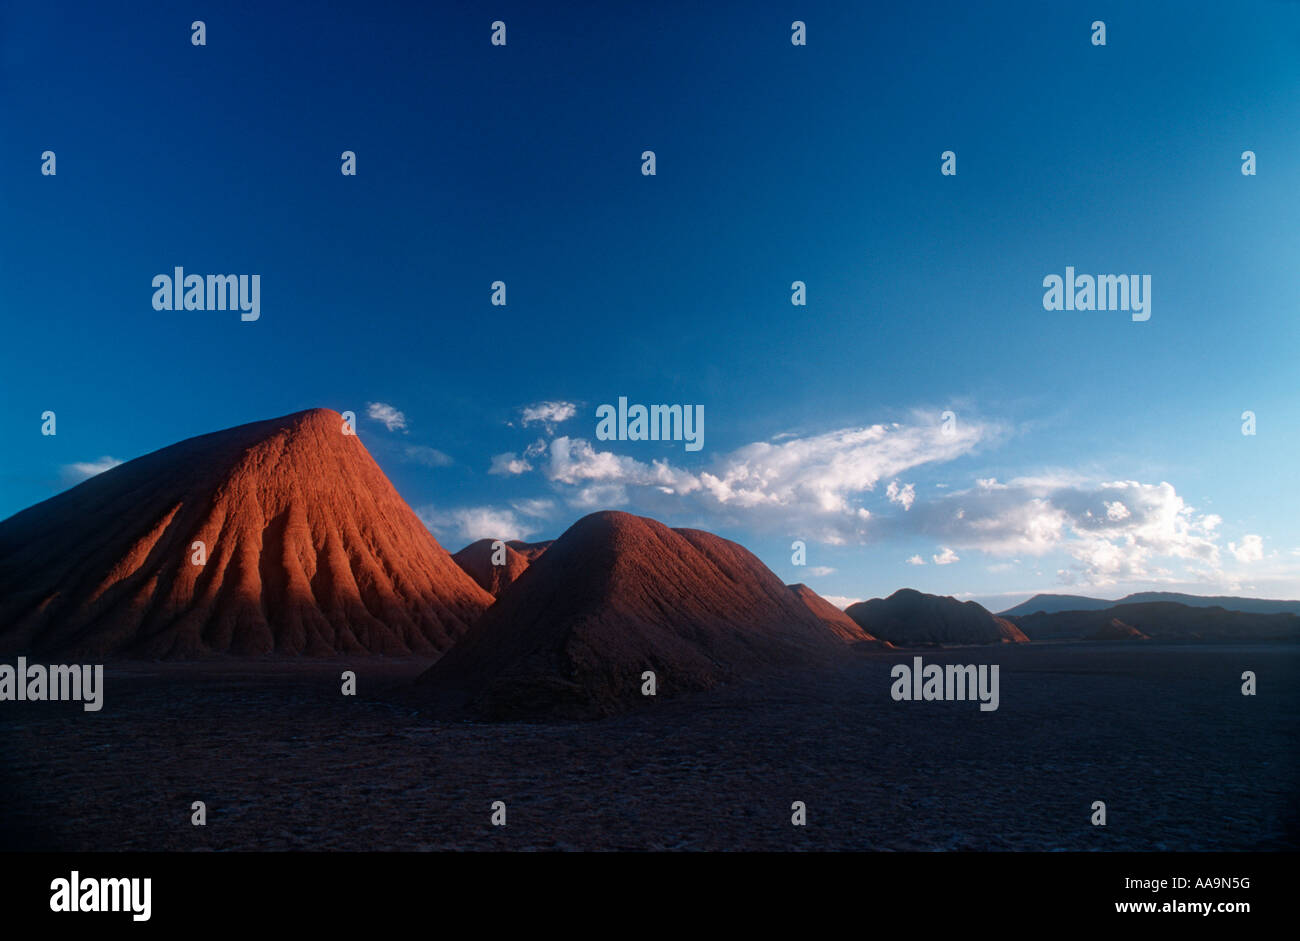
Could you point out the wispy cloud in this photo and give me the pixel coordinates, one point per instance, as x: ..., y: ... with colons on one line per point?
x: 84, y: 470
x: 388, y: 416
x: 509, y: 465
x: 429, y: 457
x: 536, y: 508
x: 846, y: 486
x: 816, y: 485
x: 548, y: 414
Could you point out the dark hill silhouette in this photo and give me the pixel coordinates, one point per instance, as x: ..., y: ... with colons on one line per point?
x: 1227, y: 602
x: 614, y: 596
x: 908, y: 618
x: 1163, y: 620
x: 1051, y: 604
x: 309, y: 550
x: 1115, y: 629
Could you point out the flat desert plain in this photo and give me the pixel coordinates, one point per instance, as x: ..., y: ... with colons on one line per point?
x: 283, y: 761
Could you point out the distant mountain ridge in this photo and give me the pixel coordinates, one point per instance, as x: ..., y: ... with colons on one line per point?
x: 1051, y: 604
x: 1162, y: 620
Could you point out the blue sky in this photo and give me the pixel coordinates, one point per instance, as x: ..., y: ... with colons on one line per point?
x: 1110, y: 451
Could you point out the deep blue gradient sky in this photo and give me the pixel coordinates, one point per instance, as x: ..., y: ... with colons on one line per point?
x: 775, y: 163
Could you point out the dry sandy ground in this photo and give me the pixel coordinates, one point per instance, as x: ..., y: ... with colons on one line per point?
x: 1161, y: 733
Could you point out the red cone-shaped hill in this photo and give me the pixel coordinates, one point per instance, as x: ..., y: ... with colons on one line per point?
x: 309, y: 550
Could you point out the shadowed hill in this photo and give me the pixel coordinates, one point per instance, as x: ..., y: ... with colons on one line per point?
x: 1163, y: 620
x: 909, y: 617
x: 617, y: 595
x: 1052, y: 604
x: 1115, y: 629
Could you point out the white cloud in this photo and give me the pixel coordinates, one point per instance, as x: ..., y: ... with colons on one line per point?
x: 823, y: 474
x: 390, y: 417
x: 814, y: 484
x: 507, y: 464
x: 946, y: 557
x: 574, y: 461
x: 1069, y: 514
x: 599, y: 497
x: 1250, y: 550
x: 904, y: 496
x: 846, y: 486
x: 547, y: 413
x: 821, y: 570
x: 429, y: 457
x: 536, y: 508
x: 84, y: 470
x: 472, y: 523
